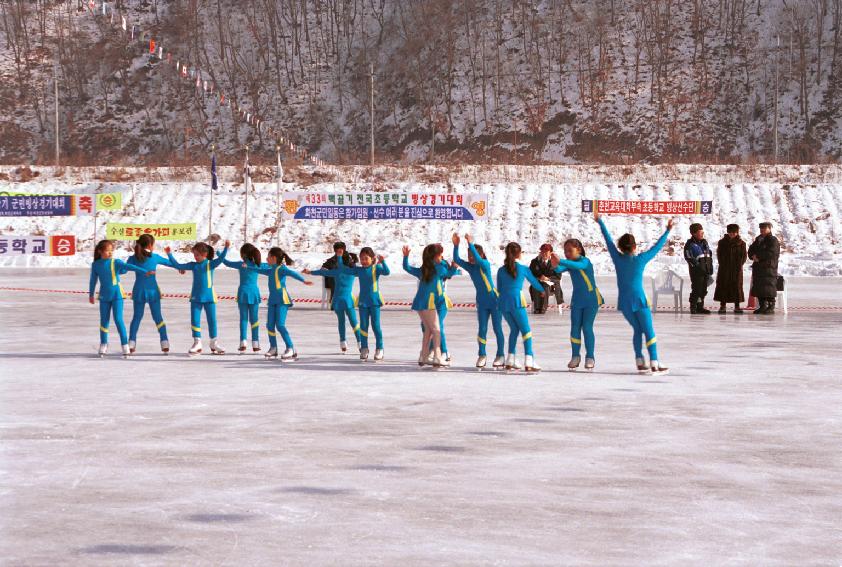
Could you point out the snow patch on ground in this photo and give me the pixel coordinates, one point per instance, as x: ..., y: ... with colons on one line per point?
x: 806, y: 216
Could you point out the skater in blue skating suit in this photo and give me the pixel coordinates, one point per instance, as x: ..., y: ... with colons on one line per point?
x: 443, y: 303
x: 479, y: 268
x: 279, y: 300
x: 107, y: 270
x: 512, y: 304
x: 248, y: 295
x: 343, y: 301
x: 202, y: 293
x: 585, y: 303
x: 428, y: 294
x: 146, y: 291
x: 370, y: 300
x: 632, y: 300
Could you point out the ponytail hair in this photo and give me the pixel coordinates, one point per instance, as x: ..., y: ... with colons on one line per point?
x: 203, y: 248
x: 142, y: 247
x: 278, y: 254
x: 512, y: 254
x: 575, y: 243
x: 251, y: 253
x: 100, y: 246
x: 428, y: 261
x: 627, y: 243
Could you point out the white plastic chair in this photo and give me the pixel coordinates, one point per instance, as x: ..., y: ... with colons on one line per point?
x: 665, y: 285
x: 325, y: 303
x: 785, y: 297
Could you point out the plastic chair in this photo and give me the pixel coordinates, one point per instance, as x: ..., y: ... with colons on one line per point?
x: 667, y: 287
x: 325, y: 302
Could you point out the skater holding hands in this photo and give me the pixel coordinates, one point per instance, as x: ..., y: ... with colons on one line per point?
x: 510, y: 278
x: 342, y: 300
x: 429, y: 292
x: 248, y: 295
x: 146, y: 290
x: 279, y: 300
x: 479, y: 269
x: 632, y: 300
x: 585, y: 303
x: 106, y: 270
x: 202, y: 294
x: 371, y: 299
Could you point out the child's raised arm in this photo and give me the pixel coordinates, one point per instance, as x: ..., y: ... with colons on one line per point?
x: 221, y: 258
x: 609, y: 242
x: 652, y: 252
x: 533, y: 281
x: 294, y: 275
x: 384, y: 268
x: 410, y: 269
x: 176, y: 264
x: 233, y: 264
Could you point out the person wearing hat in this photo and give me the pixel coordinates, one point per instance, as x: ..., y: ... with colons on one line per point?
x: 730, y: 256
x: 764, y: 253
x: 541, y: 267
x: 700, y: 263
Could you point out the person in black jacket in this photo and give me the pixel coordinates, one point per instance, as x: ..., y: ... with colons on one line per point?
x: 700, y: 263
x: 331, y: 263
x: 764, y: 253
x: 541, y: 267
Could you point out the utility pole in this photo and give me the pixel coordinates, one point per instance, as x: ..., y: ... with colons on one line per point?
x: 210, y: 212
x: 247, y: 181
x: 777, y: 52
x: 371, y: 106
x: 58, y: 143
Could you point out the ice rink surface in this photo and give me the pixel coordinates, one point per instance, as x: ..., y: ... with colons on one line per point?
x: 734, y: 458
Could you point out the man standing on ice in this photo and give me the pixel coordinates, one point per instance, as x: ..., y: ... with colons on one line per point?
x: 764, y: 252
x: 700, y: 262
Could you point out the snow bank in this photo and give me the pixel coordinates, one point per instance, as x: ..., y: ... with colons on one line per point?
x: 806, y: 217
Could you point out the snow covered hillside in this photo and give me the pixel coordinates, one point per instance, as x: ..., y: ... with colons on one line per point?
x: 530, y: 210
x: 482, y: 81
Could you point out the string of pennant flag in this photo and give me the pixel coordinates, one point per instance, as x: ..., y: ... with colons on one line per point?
x: 105, y: 9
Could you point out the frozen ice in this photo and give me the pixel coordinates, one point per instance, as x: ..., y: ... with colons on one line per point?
x: 733, y: 458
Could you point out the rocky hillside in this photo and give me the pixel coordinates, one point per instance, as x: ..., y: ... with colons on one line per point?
x: 477, y: 81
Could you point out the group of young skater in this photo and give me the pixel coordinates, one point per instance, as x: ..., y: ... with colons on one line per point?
x: 499, y: 297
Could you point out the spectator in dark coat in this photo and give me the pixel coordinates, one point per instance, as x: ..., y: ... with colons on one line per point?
x: 331, y: 263
x: 731, y: 256
x: 700, y: 263
x: 764, y: 253
x: 541, y: 267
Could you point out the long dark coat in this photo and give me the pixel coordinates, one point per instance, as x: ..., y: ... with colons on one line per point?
x: 730, y: 256
x: 764, y: 271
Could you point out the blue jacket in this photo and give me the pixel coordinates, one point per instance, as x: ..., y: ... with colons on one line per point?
x: 278, y: 273
x: 202, y: 290
x: 699, y: 256
x: 108, y: 273
x: 343, y: 290
x: 511, y: 288
x: 480, y: 273
x: 369, y: 277
x: 247, y: 292
x: 146, y: 287
x: 630, y: 268
x: 446, y: 271
x: 428, y: 293
x: 585, y: 292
